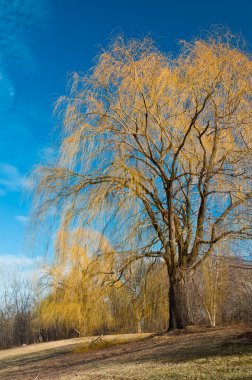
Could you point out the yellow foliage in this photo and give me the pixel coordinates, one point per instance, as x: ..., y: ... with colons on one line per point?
x: 155, y: 156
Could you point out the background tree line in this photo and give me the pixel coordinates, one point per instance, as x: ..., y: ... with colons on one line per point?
x: 220, y: 294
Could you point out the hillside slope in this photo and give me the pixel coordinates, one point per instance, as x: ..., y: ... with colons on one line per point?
x: 224, y: 353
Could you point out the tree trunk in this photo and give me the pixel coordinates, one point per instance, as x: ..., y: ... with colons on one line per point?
x: 179, y: 316
x: 139, y: 327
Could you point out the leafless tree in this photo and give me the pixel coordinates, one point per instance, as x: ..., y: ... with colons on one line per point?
x: 156, y: 155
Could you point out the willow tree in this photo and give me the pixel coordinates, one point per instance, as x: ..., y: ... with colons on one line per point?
x: 155, y: 154
x: 76, y: 299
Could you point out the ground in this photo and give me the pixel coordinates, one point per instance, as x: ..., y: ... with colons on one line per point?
x: 220, y: 353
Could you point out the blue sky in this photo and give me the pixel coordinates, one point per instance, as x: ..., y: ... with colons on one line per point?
x: 41, y: 43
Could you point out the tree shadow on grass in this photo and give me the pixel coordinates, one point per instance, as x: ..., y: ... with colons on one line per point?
x: 162, y: 350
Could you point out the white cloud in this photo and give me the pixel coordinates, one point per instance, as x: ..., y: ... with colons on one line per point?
x: 19, y: 266
x: 13, y: 261
x: 22, y: 219
x: 21, y: 20
x: 12, y: 180
x: 20, y: 261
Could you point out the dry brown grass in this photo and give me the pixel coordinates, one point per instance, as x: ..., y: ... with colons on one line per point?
x: 66, y: 345
x: 223, y: 353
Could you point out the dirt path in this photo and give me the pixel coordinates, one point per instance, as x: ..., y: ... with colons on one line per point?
x: 209, y: 354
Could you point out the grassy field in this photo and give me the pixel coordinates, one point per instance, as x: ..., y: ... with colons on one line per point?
x: 221, y: 353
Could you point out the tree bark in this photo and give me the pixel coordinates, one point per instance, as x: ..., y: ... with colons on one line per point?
x: 179, y: 315
x: 139, y: 327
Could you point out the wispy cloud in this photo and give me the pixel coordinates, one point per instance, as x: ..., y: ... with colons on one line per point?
x: 21, y: 21
x: 12, y: 260
x: 7, y: 93
x: 22, y: 219
x: 12, y: 180
x: 19, y: 260
x: 20, y: 265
